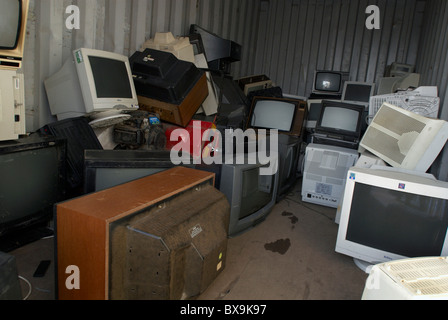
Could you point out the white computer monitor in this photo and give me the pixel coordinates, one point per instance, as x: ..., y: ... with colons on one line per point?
x: 405, y: 139
x: 389, y: 214
x: 90, y: 82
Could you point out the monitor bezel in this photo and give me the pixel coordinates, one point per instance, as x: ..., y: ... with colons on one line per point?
x: 298, y: 121
x: 338, y: 132
x: 87, y: 81
x: 390, y: 179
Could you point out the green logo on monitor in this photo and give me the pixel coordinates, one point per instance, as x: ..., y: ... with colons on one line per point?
x: 78, y: 56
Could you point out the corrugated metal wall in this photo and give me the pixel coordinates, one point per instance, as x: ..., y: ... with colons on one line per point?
x: 296, y: 37
x: 284, y: 39
x: 433, y: 65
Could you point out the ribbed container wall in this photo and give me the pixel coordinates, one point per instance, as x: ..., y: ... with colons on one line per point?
x: 296, y: 37
x: 122, y: 26
x: 433, y: 65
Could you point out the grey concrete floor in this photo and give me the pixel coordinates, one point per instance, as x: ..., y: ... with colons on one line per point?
x: 289, y: 256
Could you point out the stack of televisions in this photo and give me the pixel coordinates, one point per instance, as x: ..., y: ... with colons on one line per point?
x: 137, y: 226
x: 369, y: 157
x: 139, y: 214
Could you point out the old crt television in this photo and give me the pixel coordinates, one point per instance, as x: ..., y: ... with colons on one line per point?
x: 13, y: 20
x: 339, y: 124
x: 405, y: 139
x: 93, y: 82
x: 251, y: 188
x: 329, y: 82
x: 104, y: 169
x: 358, y: 92
x: 32, y: 172
x: 282, y: 114
x: 161, y: 237
x: 390, y: 214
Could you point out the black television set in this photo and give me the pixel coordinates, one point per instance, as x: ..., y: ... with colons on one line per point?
x: 104, y: 169
x: 329, y: 82
x: 340, y: 124
x: 32, y: 172
x: 282, y: 114
x: 219, y: 52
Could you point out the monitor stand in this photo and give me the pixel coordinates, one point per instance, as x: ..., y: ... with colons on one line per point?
x: 363, y: 265
x: 108, y: 118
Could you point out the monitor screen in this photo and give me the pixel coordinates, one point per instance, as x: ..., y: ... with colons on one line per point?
x: 104, y: 169
x: 406, y: 224
x: 10, y: 23
x: 111, y: 78
x: 328, y: 82
x: 357, y: 92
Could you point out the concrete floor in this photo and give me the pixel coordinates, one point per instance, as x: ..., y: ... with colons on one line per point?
x: 290, y: 256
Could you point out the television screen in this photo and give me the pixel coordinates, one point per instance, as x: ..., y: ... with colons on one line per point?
x: 273, y: 115
x: 284, y: 115
x: 10, y: 23
x: 257, y: 191
x: 104, y: 169
x: 328, y: 81
x: 340, y: 117
x: 32, y: 173
x: 357, y: 92
x: 13, y: 20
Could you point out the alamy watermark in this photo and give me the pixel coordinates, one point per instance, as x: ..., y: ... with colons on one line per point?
x: 240, y: 147
x: 73, y: 20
